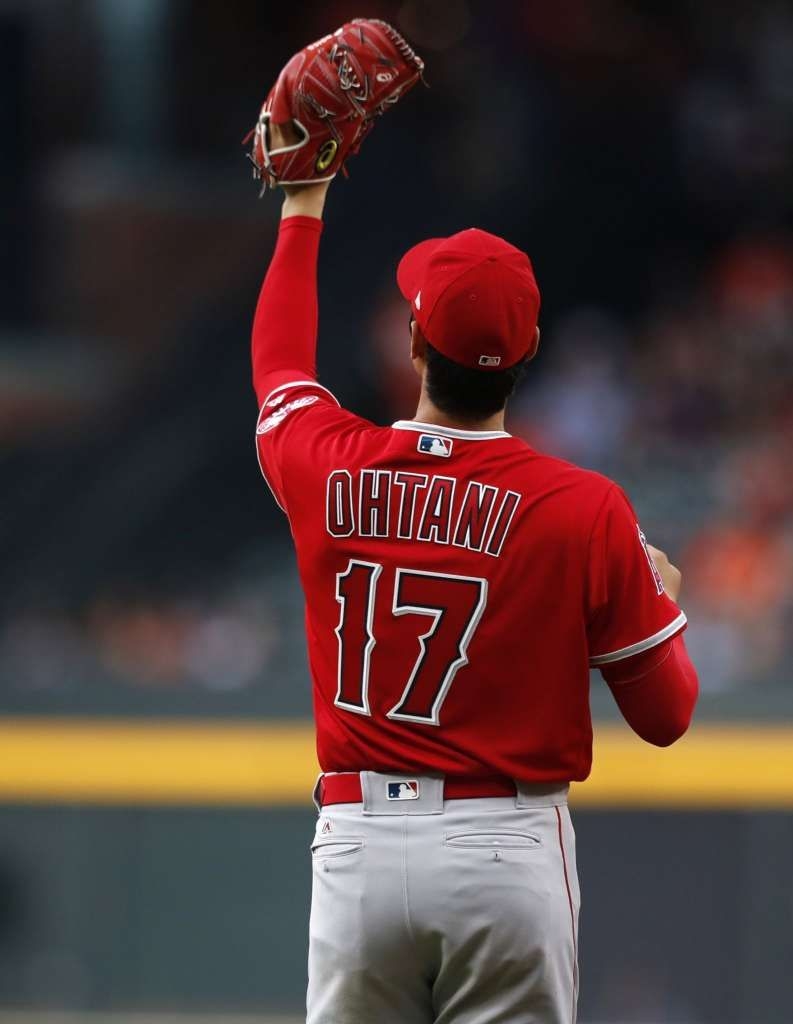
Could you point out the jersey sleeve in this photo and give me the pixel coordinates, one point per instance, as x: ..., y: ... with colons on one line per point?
x: 299, y: 424
x: 629, y: 612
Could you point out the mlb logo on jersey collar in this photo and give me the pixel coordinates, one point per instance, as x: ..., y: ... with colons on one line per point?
x: 431, y: 444
x: 403, y: 790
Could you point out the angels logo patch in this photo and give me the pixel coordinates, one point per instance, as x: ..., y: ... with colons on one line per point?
x: 280, y: 415
x: 659, y: 583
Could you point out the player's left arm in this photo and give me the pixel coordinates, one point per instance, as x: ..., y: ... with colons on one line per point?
x: 320, y: 109
x: 284, y: 338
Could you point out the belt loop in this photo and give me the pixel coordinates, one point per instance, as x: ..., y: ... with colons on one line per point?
x: 541, y: 794
x: 316, y: 793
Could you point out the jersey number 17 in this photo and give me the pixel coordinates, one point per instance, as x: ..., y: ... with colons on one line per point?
x: 453, y: 604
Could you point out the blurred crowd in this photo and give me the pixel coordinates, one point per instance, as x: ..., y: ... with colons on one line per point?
x: 224, y: 643
x: 645, y: 160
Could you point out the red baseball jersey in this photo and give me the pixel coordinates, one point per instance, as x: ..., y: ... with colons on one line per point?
x: 458, y: 586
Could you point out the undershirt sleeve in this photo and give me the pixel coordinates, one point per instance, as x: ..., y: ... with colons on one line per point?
x: 656, y: 691
x: 284, y: 338
x: 297, y: 414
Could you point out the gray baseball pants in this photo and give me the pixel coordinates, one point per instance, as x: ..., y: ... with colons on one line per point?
x: 427, y: 911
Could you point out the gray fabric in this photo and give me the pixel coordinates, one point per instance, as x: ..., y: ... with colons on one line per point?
x: 376, y: 800
x: 433, y: 912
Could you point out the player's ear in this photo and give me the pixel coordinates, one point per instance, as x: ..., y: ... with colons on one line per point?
x: 533, y: 350
x: 418, y: 348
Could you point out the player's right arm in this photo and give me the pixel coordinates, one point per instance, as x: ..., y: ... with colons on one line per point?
x: 635, y: 626
x: 657, y: 691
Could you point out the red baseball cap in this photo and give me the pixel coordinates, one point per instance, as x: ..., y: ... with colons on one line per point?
x: 474, y: 297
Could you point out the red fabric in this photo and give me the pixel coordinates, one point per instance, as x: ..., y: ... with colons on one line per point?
x: 284, y: 340
x: 625, y: 599
x: 656, y: 691
x: 474, y: 296
x: 346, y: 789
x: 457, y: 583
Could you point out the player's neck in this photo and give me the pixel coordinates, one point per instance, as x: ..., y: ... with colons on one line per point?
x: 427, y: 412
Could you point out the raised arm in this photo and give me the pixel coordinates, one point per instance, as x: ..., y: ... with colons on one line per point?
x: 284, y: 340
x: 316, y: 116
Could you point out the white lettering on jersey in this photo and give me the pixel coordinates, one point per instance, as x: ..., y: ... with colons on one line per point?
x: 474, y: 516
x: 374, y: 502
x: 435, y: 518
x: 657, y: 578
x: 425, y: 508
x: 280, y: 415
x: 339, y: 517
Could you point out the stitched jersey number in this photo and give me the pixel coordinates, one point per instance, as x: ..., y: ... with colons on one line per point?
x: 454, y: 606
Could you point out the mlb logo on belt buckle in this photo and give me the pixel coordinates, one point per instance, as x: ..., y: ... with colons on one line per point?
x: 431, y: 444
x: 402, y: 790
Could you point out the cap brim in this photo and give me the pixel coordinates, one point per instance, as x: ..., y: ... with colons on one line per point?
x: 412, y: 269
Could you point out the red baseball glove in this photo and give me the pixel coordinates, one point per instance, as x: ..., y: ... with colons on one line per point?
x: 330, y: 92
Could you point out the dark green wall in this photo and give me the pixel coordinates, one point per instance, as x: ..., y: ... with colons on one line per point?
x: 153, y: 908
x: 686, y: 916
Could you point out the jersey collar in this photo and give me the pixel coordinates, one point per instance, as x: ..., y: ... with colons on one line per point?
x: 433, y: 428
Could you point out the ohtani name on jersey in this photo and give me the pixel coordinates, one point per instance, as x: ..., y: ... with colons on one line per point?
x: 418, y: 506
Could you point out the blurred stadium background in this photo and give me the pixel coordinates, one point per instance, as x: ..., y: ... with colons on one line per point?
x: 155, y: 745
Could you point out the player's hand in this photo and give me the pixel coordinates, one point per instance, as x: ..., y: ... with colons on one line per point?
x: 330, y: 92
x: 300, y: 200
x: 282, y: 135
x: 670, y: 574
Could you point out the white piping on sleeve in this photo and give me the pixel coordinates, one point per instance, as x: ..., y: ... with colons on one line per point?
x: 256, y: 435
x: 643, y: 645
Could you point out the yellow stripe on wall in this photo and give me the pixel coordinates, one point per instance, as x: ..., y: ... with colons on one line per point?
x: 101, y: 761
x: 712, y: 766
x: 97, y: 761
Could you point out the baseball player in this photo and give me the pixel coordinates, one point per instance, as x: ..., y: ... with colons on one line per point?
x: 459, y: 585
